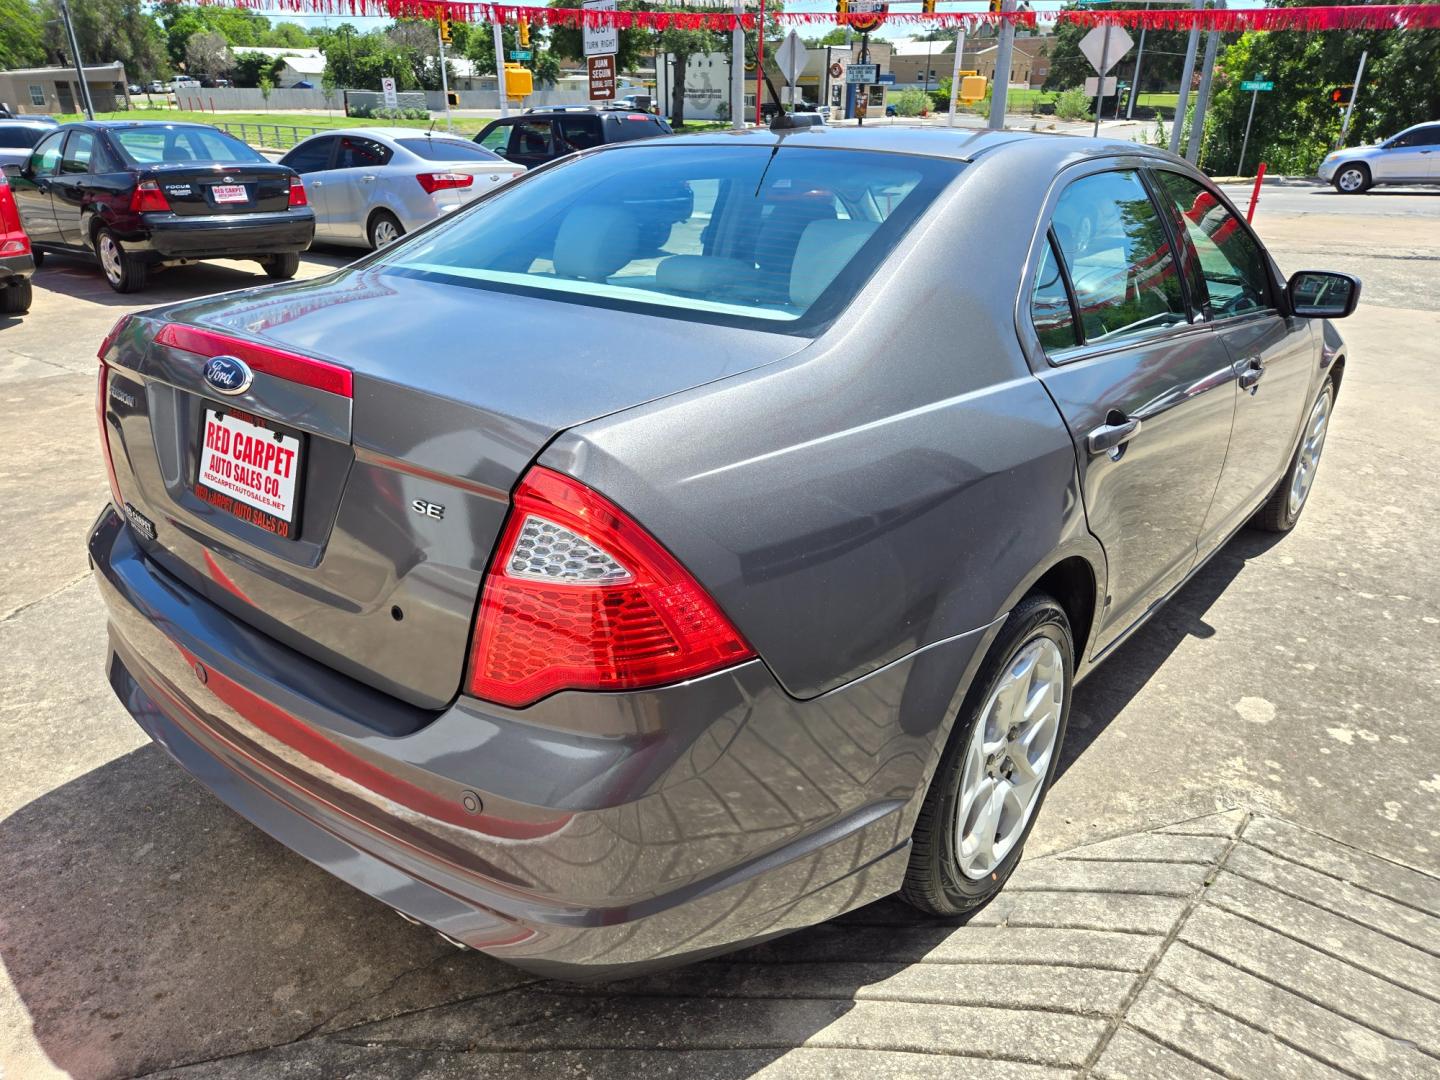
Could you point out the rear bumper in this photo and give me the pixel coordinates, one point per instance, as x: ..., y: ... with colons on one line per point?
x: 590, y: 836
x: 16, y: 268
x: 228, y: 236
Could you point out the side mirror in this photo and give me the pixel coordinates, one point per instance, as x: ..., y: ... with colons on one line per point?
x: 1322, y: 294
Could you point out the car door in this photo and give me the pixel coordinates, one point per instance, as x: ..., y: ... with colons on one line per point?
x: 311, y: 159
x: 1145, y: 386
x: 72, y: 186
x: 532, y: 142
x: 352, y: 182
x: 1405, y: 157
x: 579, y: 131
x: 31, y: 189
x: 1427, y: 142
x: 1273, y: 355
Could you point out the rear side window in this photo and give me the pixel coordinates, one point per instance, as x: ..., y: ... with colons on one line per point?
x: 151, y: 145
x: 1118, y: 257
x: 580, y: 132
x: 312, y: 156
x: 1231, y: 263
x: 1050, y: 303
x: 447, y: 150
x: 635, y: 125
x: 736, y: 235
x: 19, y: 136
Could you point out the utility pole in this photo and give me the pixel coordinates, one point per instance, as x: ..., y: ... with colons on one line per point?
x: 444, y: 80
x: 84, y: 88
x: 1185, y: 76
x: 1135, y: 77
x: 955, y: 76
x: 864, y: 59
x: 1003, y: 55
x: 737, y: 71
x: 1100, y: 82
x: 760, y: 65
x: 500, y: 68
x: 1202, y: 98
x: 1354, y: 93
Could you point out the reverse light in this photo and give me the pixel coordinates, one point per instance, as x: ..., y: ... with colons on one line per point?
x: 148, y: 198
x: 581, y: 597
x: 101, y: 392
x: 297, y: 192
x: 439, y: 181
x: 15, y: 247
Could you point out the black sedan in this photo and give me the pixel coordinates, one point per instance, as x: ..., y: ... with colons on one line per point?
x: 136, y: 195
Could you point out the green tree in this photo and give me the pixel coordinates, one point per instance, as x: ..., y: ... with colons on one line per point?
x: 635, y: 44
x: 288, y: 35
x: 180, y: 22
x: 355, y: 61
x: 22, y: 44
x: 479, y: 46
x: 251, y: 67
x: 1160, y: 68
x: 207, y: 53
x: 110, y: 30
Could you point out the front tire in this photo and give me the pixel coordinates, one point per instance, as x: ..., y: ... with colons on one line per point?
x: 124, y: 272
x: 15, y: 298
x: 282, y: 267
x: 1352, y: 179
x: 998, y: 765
x: 1282, y: 510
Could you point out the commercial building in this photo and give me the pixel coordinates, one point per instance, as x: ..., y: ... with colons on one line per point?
x: 57, y: 89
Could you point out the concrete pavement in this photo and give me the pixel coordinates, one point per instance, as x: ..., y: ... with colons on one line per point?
x: 143, y: 927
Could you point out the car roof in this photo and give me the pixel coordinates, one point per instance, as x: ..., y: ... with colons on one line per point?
x: 960, y: 144
x: 116, y: 125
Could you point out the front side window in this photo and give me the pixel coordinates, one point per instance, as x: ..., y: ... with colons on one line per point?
x: 496, y: 139
x: 530, y: 137
x: 46, y: 158
x: 1119, y: 258
x: 736, y: 235
x: 311, y: 156
x: 358, y: 153
x: 78, y: 152
x: 1231, y: 262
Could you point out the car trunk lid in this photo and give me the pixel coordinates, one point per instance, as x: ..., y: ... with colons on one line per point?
x: 412, y: 408
x: 233, y: 188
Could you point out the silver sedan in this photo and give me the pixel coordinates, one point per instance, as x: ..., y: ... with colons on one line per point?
x: 370, y: 186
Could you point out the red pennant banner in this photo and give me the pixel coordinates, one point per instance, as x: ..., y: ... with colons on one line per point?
x: 713, y: 17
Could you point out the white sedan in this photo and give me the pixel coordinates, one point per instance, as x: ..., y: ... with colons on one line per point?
x: 1412, y: 157
x: 370, y: 186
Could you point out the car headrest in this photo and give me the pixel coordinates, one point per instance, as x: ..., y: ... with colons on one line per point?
x: 824, y: 250
x: 595, y: 241
x: 707, y: 276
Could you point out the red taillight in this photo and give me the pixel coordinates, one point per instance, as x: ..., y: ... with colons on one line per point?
x: 100, y: 393
x: 581, y: 597
x: 147, y: 198
x: 438, y: 181
x: 305, y: 370
x: 13, y: 240
x: 297, y: 192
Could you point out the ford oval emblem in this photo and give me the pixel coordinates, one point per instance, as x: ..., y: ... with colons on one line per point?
x: 228, y: 374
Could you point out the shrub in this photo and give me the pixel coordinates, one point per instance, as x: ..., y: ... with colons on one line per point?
x: 911, y: 102
x: 1072, y: 104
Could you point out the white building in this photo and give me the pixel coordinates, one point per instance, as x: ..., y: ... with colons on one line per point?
x: 301, y: 65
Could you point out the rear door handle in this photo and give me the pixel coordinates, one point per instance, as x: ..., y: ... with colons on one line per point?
x: 1250, y: 375
x: 1108, y: 436
x: 367, y: 179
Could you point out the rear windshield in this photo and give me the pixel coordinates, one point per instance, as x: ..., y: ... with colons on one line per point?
x: 150, y: 145
x: 21, y: 135
x: 447, y: 150
x: 780, y: 238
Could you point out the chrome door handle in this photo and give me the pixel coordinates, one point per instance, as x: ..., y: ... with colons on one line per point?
x: 366, y: 179
x: 1109, y: 436
x: 1250, y: 376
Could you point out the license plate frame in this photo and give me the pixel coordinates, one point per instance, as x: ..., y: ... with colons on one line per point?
x: 229, y: 194
x: 238, y: 493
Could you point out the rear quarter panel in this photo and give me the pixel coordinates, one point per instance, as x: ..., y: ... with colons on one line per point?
x: 896, y: 484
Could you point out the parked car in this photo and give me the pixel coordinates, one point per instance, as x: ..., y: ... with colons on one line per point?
x: 540, y: 135
x: 139, y: 194
x: 16, y: 262
x: 371, y: 186
x: 18, y: 138
x: 156, y: 87
x: 606, y: 608
x: 1411, y: 157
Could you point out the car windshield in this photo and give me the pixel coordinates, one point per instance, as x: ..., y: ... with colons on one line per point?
x: 447, y: 150
x: 151, y: 145
x: 780, y: 238
x: 21, y: 136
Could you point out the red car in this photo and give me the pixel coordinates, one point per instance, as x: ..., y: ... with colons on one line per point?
x: 17, y: 262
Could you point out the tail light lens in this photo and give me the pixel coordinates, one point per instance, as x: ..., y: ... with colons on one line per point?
x: 437, y: 181
x: 100, y: 393
x: 581, y: 597
x: 13, y: 240
x: 147, y: 198
x: 297, y: 192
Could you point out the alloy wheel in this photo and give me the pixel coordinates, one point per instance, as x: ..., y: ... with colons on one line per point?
x: 1351, y: 180
x: 1308, y: 459
x: 110, y: 258
x: 386, y: 233
x: 1008, y: 758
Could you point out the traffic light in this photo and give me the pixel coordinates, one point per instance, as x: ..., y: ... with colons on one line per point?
x: 927, y: 6
x: 524, y: 33
x: 997, y: 6
x: 842, y: 7
x: 443, y: 19
x: 1341, y: 95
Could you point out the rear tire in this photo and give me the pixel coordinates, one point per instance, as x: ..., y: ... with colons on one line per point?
x: 15, y: 298
x: 1282, y: 509
x: 282, y: 267
x: 385, y: 229
x: 1352, y: 178
x: 124, y: 272
x: 961, y: 855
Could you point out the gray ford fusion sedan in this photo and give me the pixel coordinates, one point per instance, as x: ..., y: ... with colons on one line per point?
x: 694, y: 540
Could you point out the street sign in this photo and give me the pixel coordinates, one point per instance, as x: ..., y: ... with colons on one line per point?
x: 1256, y: 85
x: 791, y: 56
x: 601, y: 40
x: 1092, y: 86
x: 862, y: 74
x: 519, y: 54
x: 387, y: 87
x: 602, y: 77
x: 1095, y: 50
